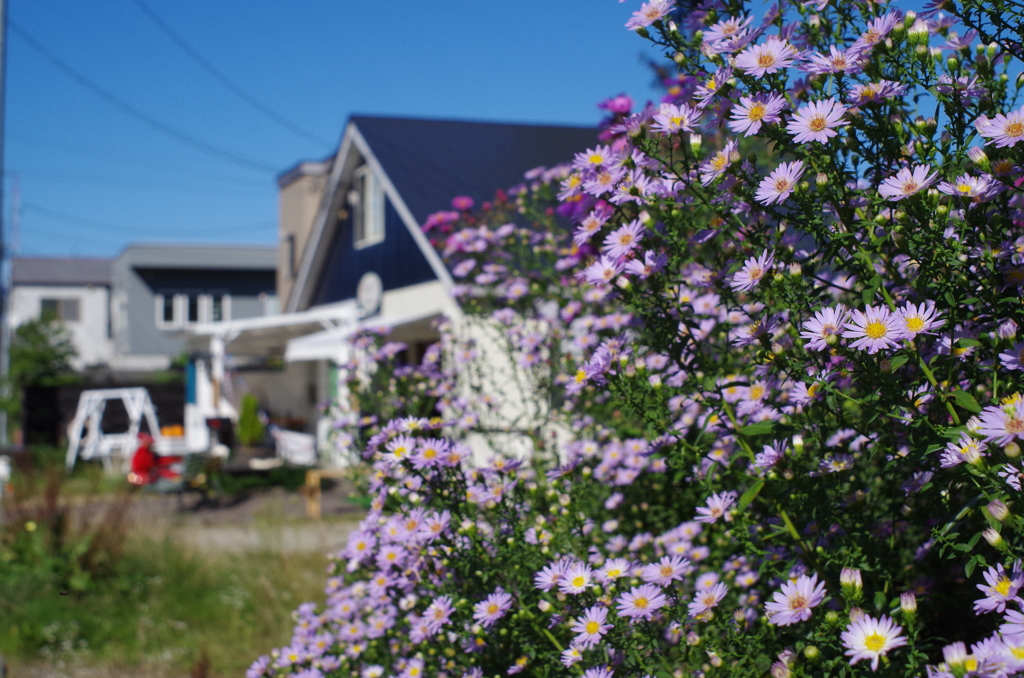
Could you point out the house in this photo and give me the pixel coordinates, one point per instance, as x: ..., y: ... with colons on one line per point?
x: 74, y: 291
x: 352, y: 251
x: 159, y: 291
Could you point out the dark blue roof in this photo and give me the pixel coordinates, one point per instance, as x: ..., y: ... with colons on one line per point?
x: 432, y: 161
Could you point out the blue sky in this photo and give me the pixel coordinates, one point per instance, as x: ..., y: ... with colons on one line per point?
x: 92, y: 179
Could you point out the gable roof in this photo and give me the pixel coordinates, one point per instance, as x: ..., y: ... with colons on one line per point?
x: 61, y: 271
x: 423, y: 164
x: 432, y: 161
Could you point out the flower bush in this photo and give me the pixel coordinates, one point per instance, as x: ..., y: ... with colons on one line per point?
x: 777, y: 358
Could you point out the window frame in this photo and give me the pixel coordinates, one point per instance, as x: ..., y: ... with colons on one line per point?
x: 367, y: 224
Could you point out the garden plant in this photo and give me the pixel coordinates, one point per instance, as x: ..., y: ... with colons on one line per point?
x: 769, y: 332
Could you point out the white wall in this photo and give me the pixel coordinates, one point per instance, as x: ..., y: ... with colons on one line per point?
x: 90, y: 333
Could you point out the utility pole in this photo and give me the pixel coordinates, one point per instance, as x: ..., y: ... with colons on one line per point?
x: 5, y: 267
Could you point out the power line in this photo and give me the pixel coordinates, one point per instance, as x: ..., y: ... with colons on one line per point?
x: 224, y: 79
x: 130, y: 110
x: 158, y: 185
x: 116, y: 228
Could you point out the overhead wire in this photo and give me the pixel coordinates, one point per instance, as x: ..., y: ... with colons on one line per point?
x: 130, y: 110
x: 110, y: 228
x: 223, y: 79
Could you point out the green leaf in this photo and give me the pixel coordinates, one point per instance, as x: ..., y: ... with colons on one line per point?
x: 969, y: 567
x: 761, y: 428
x: 750, y: 494
x: 966, y: 401
x: 968, y: 343
x: 880, y: 600
x: 898, y: 361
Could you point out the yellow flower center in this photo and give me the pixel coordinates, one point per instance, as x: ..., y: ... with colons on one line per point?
x: 593, y: 627
x: 1003, y: 586
x: 875, y: 330
x: 963, y: 188
x: 640, y: 603
x: 1015, y: 129
x: 719, y: 161
x: 581, y: 377
x: 909, y: 186
x: 578, y: 581
x: 765, y: 60
x: 596, y: 159
x: 756, y: 112
x: 492, y: 608
x: 783, y: 185
x: 915, y: 324
x: 874, y: 642
x: 817, y: 123
x: 756, y: 392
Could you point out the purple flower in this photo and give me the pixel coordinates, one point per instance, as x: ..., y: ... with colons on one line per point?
x: 1000, y: 589
x: 492, y: 608
x: 641, y: 602
x: 590, y: 627
x: 649, y: 12
x: 817, y: 121
x: 718, y: 504
x: 752, y: 112
x: 874, y: 329
x: 907, y: 182
x: 825, y: 328
x: 754, y: 269
x: 707, y: 598
x: 1003, y: 130
x: 768, y: 57
x: 794, y: 602
x: 778, y: 185
x: 1000, y: 424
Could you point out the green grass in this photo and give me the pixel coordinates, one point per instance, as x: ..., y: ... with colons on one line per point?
x: 161, y: 611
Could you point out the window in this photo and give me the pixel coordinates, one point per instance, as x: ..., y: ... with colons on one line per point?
x: 176, y: 310
x: 193, y: 308
x: 367, y: 201
x: 66, y: 310
x: 220, y: 308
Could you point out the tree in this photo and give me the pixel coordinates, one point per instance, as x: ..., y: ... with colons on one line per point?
x: 41, y: 355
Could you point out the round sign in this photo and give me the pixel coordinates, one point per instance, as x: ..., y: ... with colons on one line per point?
x: 369, y: 293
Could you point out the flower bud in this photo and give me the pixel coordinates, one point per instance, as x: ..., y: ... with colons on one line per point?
x: 952, y: 63
x: 908, y: 603
x: 812, y: 652
x: 643, y: 32
x: 1011, y: 450
x: 695, y: 143
x: 781, y: 670
x: 998, y: 510
x: 994, y: 539
x: 991, y: 50
x: 852, y: 584
x: 821, y: 179
x: 544, y: 606
x: 679, y: 58
x: 692, y: 638
x: 1007, y: 329
x: 795, y: 269
x: 832, y: 617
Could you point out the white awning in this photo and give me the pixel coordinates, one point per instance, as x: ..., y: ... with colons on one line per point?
x: 268, y: 335
x: 333, y: 344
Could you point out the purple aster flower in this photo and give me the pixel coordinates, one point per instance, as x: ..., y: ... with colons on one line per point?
x: 718, y: 504
x: 651, y: 263
x: 439, y: 613
x: 794, y: 602
x: 876, y: 92
x: 907, y: 182
x: 920, y: 319
x: 966, y: 186
x: 590, y: 627
x: 966, y: 450
x: 870, y: 638
x: 1000, y: 589
x: 876, y: 31
x: 836, y: 61
x: 754, y: 269
x: 825, y: 328
x: 602, y: 271
x: 751, y: 112
x: 771, y: 455
x: 622, y: 240
x: 719, y: 162
x: 666, y: 570
x: 577, y: 578
x: 492, y: 608
x: 1013, y: 359
x: 671, y: 119
x: 768, y: 57
x: 817, y: 121
x: 706, y: 599
x: 874, y: 329
x: 649, y: 12
x: 967, y: 88
x: 641, y: 602
x: 778, y: 185
x: 1000, y: 424
x: 1003, y: 130
x: 726, y: 30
